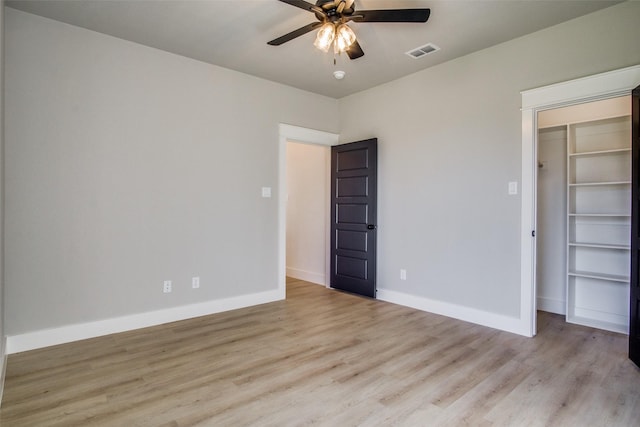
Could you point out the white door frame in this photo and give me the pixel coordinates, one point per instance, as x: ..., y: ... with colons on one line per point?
x: 600, y: 86
x: 290, y: 133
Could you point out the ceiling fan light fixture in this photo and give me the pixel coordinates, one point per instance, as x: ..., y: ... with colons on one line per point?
x: 344, y: 38
x: 325, y: 37
x: 333, y: 15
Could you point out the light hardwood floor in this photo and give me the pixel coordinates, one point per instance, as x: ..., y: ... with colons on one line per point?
x: 327, y: 358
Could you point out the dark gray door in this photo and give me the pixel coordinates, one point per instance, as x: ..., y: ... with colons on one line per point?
x: 353, y: 217
x: 634, y: 313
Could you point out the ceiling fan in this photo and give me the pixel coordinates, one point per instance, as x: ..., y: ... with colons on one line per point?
x: 333, y: 16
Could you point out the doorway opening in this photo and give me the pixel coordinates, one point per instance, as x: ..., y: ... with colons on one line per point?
x: 307, y: 226
x: 307, y: 137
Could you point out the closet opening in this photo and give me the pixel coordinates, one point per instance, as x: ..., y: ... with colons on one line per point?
x: 583, y: 212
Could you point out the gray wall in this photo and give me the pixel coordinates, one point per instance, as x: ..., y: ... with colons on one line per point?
x: 127, y: 166
x: 551, y: 229
x: 450, y: 141
x: 2, y: 324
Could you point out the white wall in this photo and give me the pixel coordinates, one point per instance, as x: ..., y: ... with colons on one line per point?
x: 551, y: 231
x: 596, y: 110
x: 2, y: 324
x: 307, y: 211
x: 449, y: 142
x: 128, y: 166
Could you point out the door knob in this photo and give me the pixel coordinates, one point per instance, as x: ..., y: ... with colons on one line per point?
x: 371, y: 227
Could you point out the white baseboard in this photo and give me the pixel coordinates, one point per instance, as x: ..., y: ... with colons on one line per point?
x: 65, y: 334
x: 551, y: 305
x: 479, y: 317
x: 307, y: 276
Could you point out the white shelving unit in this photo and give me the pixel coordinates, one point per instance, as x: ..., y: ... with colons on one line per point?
x: 599, y: 223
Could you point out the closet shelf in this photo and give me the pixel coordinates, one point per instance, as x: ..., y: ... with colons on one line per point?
x: 596, y: 184
x: 599, y: 246
x: 601, y: 215
x: 600, y: 276
x: 601, y: 152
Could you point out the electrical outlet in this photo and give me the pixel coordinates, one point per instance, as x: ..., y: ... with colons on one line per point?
x: 195, y: 282
x: 167, y: 286
x: 403, y: 274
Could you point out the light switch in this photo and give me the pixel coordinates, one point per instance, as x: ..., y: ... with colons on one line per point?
x: 266, y: 192
x: 513, y: 188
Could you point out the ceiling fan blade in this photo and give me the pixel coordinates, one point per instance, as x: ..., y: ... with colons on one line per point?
x: 304, y: 5
x: 392, y: 15
x: 295, y: 33
x: 355, y: 51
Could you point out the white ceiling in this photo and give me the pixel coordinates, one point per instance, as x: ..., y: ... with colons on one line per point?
x: 234, y: 33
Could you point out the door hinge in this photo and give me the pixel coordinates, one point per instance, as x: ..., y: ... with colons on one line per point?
x: 533, y: 233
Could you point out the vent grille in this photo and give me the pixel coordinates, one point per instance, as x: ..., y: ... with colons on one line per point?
x: 421, y: 51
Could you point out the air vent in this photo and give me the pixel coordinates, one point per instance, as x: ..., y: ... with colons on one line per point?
x: 421, y: 51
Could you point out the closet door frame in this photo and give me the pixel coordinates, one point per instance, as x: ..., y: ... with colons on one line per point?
x: 593, y: 88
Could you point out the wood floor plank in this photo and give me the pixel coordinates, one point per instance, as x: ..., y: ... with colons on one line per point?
x: 327, y: 358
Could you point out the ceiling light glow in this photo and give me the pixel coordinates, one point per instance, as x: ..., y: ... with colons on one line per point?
x: 338, y: 35
x: 325, y: 37
x: 344, y: 38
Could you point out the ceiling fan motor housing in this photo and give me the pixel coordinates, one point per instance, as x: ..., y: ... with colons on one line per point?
x: 331, y: 12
